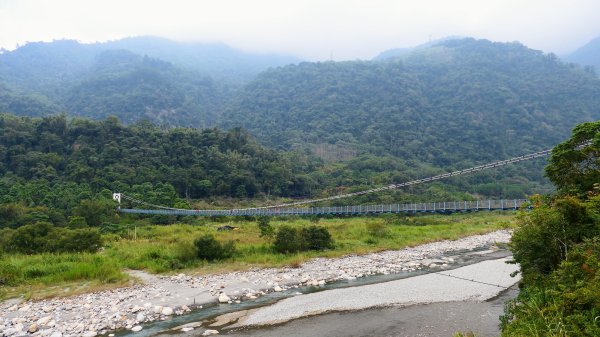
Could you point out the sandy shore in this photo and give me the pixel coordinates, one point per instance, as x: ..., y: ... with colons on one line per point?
x: 161, y: 297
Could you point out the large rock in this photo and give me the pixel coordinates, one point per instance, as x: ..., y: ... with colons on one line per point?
x: 223, y: 298
x: 167, y: 311
x: 32, y: 328
x: 136, y: 328
x: 210, y: 333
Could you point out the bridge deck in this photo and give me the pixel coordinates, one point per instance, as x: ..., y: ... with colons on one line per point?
x: 430, y: 207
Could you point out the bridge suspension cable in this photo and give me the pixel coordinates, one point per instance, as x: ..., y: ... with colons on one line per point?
x: 373, y: 190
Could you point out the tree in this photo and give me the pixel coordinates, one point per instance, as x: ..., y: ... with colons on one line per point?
x: 265, y: 228
x: 574, y: 166
x: 95, y: 212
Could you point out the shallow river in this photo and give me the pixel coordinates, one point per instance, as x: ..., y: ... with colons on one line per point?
x: 437, y: 319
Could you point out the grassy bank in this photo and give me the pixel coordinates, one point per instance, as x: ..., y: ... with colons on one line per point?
x: 164, y: 249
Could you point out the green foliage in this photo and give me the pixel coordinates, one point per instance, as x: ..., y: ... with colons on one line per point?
x: 377, y: 229
x: 43, y: 237
x: 316, y: 238
x: 501, y: 98
x: 76, y: 221
x: 266, y: 230
x: 51, y: 269
x: 558, y: 247
x: 74, y: 166
x: 575, y: 168
x: 94, y: 212
x: 208, y: 248
x: 566, y: 303
x: 288, y: 240
x: 291, y: 239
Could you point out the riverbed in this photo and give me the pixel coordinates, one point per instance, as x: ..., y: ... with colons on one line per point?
x: 171, y: 300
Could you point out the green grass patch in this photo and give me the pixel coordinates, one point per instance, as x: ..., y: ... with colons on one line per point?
x: 21, y: 274
x: 164, y: 249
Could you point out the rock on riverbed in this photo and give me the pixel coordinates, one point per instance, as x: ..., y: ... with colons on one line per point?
x: 97, y: 313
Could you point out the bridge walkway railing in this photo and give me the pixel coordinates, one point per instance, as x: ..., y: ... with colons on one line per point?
x: 431, y: 207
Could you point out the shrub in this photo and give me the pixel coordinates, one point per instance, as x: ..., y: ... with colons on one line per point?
x: 43, y: 237
x: 208, y: 248
x: 546, y: 234
x: 265, y: 228
x: 80, y: 240
x: 316, y: 238
x: 95, y: 212
x: 290, y: 239
x: 565, y: 303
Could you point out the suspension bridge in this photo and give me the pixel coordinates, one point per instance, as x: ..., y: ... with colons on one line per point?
x: 292, y: 208
x: 429, y: 207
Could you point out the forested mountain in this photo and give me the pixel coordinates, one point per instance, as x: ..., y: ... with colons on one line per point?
x: 39, y: 65
x: 459, y: 101
x: 587, y: 55
x: 445, y: 106
x: 57, y: 163
x: 397, y: 52
x: 134, y: 87
x: 217, y: 60
x: 150, y: 78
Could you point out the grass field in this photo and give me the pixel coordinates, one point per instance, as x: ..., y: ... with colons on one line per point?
x: 164, y: 249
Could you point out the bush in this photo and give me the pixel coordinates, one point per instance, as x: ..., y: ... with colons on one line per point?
x: 547, y: 233
x: 43, y: 237
x: 80, y: 240
x: 208, y: 248
x: 265, y: 228
x: 316, y: 238
x: 565, y: 303
x: 290, y: 239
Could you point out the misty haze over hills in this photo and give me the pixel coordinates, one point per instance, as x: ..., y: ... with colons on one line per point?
x: 206, y: 85
x: 587, y: 55
x: 450, y: 102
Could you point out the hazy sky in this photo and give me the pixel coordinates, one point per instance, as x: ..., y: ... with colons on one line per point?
x: 314, y: 30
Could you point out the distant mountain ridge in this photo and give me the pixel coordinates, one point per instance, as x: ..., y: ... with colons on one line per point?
x: 453, y: 104
x: 396, y: 52
x: 587, y: 55
x: 446, y: 103
x: 152, y: 78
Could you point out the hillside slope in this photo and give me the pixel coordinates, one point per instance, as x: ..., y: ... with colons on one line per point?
x: 587, y: 55
x: 167, y: 82
x: 456, y: 102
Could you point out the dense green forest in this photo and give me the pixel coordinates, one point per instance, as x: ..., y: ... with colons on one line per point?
x: 57, y: 163
x: 54, y: 168
x: 170, y: 83
x: 454, y: 102
x: 135, y: 88
x: 446, y: 105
